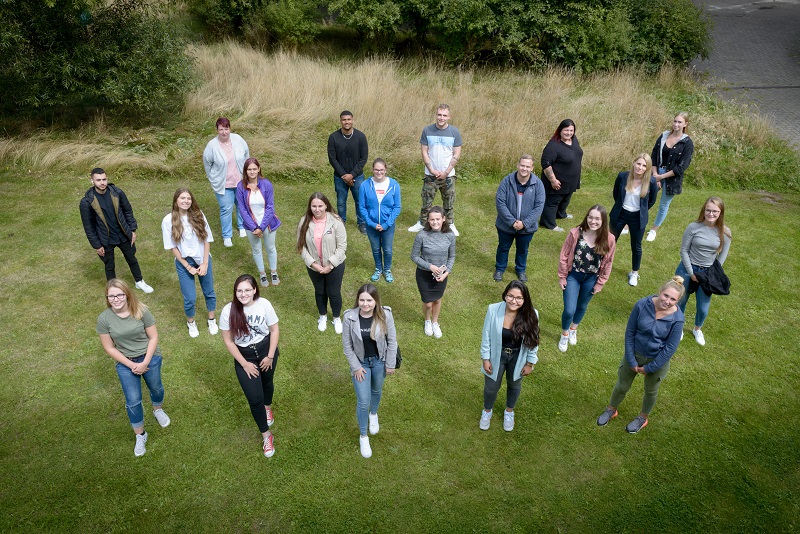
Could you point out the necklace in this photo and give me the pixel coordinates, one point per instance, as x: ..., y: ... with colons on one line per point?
x: 351, y: 134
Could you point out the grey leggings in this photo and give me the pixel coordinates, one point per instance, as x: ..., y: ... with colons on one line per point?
x: 652, y: 381
x: 513, y: 387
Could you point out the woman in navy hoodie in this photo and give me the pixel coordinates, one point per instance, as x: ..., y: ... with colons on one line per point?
x: 379, y: 205
x: 255, y: 197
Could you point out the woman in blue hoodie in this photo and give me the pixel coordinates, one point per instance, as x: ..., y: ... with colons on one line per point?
x: 651, y: 339
x: 379, y: 205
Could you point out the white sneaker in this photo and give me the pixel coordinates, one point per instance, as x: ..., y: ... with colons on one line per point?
x: 624, y: 231
x: 141, y: 284
x: 374, y: 427
x: 162, y: 417
x: 486, y: 420
x: 263, y: 279
x: 633, y: 279
x: 416, y: 228
x: 337, y: 325
x: 322, y: 323
x: 428, y: 328
x: 558, y: 229
x: 573, y: 336
x: 212, y: 327
x: 699, y: 337
x: 508, y: 420
x: 193, y: 331
x: 227, y: 242
x: 242, y: 232
x: 453, y: 228
x: 563, y: 343
x: 437, y: 332
x: 366, y: 450
x: 569, y: 216
x: 140, y: 449
x: 681, y: 336
x: 651, y: 235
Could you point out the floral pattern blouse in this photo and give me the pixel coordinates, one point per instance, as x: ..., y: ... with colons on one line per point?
x: 586, y: 261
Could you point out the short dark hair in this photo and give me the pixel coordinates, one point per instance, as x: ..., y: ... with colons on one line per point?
x: 224, y: 122
x: 345, y: 113
x: 96, y: 170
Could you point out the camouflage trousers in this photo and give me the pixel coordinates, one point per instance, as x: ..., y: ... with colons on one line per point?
x: 430, y: 185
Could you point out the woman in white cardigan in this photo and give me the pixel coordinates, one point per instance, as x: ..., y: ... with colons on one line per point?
x: 223, y: 160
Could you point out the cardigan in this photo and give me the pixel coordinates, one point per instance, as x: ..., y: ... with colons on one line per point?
x: 353, y: 343
x: 492, y: 342
x: 217, y: 166
x: 270, y: 221
x: 334, y: 242
x: 645, y: 203
x: 568, y: 255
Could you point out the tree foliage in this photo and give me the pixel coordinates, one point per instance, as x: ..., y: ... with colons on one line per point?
x: 81, y: 54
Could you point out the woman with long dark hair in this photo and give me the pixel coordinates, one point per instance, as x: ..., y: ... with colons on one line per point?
x: 322, y: 242
x: 186, y: 233
x: 583, y: 269
x: 370, y: 345
x: 128, y: 334
x: 561, y: 167
x: 510, y: 345
x: 250, y: 330
x: 255, y: 198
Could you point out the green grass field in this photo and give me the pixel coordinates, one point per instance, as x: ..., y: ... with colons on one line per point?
x: 720, y: 453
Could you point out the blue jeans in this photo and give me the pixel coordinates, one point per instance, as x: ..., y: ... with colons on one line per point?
x: 577, y: 297
x: 703, y: 300
x: 369, y: 390
x: 189, y: 290
x: 226, y: 203
x: 663, y: 205
x: 132, y: 388
x: 504, y: 241
x: 508, y: 362
x: 381, y: 242
x: 341, y: 196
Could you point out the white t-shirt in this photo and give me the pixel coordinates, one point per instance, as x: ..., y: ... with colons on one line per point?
x: 257, y: 206
x: 631, y: 202
x: 190, y: 246
x: 380, y: 188
x: 260, y: 316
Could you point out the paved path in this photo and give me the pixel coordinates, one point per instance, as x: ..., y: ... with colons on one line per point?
x: 756, y: 58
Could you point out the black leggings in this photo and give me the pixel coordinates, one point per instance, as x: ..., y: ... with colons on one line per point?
x: 636, y: 232
x: 328, y: 287
x: 258, y: 390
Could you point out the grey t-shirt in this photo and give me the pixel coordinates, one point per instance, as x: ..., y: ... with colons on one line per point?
x: 128, y: 333
x: 440, y: 145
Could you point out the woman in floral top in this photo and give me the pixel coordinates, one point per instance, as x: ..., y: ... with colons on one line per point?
x: 583, y: 269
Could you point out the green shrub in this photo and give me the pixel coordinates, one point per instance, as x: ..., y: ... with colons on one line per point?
x: 290, y: 22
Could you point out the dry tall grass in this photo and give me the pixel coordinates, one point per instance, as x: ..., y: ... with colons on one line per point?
x: 285, y: 105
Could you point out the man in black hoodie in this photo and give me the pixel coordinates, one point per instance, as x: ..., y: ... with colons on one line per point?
x: 109, y: 222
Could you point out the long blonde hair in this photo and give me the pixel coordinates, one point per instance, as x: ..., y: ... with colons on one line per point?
x: 135, y: 306
x: 645, y: 177
x: 378, y: 314
x: 195, y: 216
x: 719, y: 224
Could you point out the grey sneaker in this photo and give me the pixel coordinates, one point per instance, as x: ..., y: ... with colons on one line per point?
x: 498, y: 276
x: 275, y: 280
x: 606, y: 416
x: 508, y: 421
x: 162, y: 417
x: 522, y: 277
x: 486, y: 420
x: 139, y: 449
x: 636, y: 425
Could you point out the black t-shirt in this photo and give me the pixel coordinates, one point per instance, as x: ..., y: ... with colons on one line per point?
x: 508, y: 340
x: 370, y: 346
x: 115, y: 233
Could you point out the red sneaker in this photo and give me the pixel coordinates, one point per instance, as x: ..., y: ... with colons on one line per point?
x: 270, y: 416
x: 269, y: 446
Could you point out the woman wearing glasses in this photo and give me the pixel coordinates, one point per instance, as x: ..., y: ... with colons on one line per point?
x: 510, y: 345
x: 250, y: 330
x: 379, y: 205
x: 128, y: 334
x: 705, y: 240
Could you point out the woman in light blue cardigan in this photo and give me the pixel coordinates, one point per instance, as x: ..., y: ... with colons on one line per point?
x: 510, y: 344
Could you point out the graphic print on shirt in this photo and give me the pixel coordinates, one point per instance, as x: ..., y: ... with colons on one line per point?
x: 258, y: 327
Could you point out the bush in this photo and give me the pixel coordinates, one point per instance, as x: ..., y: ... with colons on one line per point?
x: 75, y: 57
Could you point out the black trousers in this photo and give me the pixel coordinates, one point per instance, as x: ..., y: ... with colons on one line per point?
x: 258, y: 390
x: 555, y: 207
x: 328, y: 287
x: 129, y: 251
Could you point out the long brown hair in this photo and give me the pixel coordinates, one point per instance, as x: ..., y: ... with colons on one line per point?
x: 135, y: 306
x: 247, y: 163
x: 526, y: 323
x: 195, y: 216
x: 378, y: 314
x: 309, y: 216
x: 238, y: 320
x: 719, y: 224
x: 440, y: 211
x: 645, y: 177
x: 601, y: 245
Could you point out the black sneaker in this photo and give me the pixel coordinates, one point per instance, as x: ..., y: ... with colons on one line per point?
x: 362, y: 228
x: 498, y: 276
x: 522, y: 277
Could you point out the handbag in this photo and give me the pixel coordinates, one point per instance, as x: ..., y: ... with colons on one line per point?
x: 399, y: 358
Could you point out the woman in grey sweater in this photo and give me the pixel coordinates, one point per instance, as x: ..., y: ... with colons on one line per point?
x: 705, y: 240
x: 434, y: 252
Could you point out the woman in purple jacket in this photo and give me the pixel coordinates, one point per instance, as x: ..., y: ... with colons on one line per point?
x: 256, y: 200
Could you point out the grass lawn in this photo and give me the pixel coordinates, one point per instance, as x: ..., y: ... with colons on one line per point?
x: 720, y: 453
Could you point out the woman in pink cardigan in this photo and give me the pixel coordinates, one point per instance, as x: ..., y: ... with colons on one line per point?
x: 583, y: 269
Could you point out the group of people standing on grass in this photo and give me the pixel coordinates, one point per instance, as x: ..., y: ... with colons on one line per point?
x: 510, y: 337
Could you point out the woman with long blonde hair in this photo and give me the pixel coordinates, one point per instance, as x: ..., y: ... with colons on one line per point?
x: 186, y: 233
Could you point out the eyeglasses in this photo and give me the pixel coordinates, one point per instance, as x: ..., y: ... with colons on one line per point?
x: 510, y: 297
x: 244, y: 291
x: 379, y: 171
x: 121, y: 296
x: 713, y: 212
